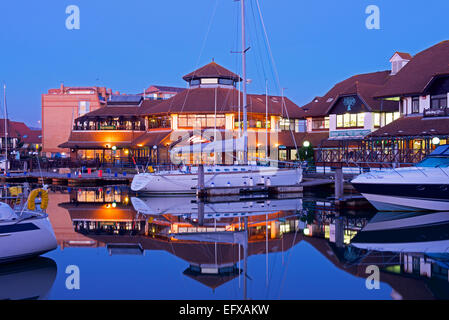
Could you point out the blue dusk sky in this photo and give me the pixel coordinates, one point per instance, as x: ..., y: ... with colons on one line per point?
x: 129, y: 45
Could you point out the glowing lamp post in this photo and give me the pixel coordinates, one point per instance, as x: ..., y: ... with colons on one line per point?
x: 436, y: 141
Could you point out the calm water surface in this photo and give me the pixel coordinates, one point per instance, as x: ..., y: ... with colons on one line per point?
x: 174, y: 248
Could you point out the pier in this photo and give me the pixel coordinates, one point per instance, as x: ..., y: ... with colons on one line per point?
x: 77, y: 179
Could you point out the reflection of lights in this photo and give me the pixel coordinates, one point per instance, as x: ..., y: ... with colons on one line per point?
x: 436, y: 140
x: 126, y: 151
x: 107, y: 206
x: 126, y: 200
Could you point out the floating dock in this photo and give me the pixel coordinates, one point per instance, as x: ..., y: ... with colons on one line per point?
x: 71, y: 180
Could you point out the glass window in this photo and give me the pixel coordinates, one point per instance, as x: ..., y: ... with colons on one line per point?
x: 320, y: 124
x: 353, y: 122
x: 347, y: 120
x: 339, y: 121
x: 438, y: 102
x: 83, y: 108
x: 415, y: 105
x: 293, y: 154
x: 361, y: 120
x: 396, y: 115
x: 388, y: 118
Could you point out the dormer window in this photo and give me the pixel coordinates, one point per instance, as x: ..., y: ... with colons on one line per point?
x: 398, y: 61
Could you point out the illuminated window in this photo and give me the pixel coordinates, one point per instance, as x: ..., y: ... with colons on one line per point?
x: 353, y: 122
x: 396, y: 115
x: 340, y: 121
x: 209, y: 81
x: 377, y: 119
x: 361, y: 120
x: 83, y: 108
x: 347, y: 120
x: 388, y: 118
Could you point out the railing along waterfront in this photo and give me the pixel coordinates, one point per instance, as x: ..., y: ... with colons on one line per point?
x: 379, y: 158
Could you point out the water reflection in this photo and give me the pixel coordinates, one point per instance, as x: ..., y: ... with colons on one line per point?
x: 216, y: 240
x: 29, y: 279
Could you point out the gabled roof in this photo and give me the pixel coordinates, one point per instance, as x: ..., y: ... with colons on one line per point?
x: 413, y: 126
x: 202, y: 100
x: 363, y: 84
x: 211, y: 70
x: 413, y: 78
x: 403, y: 55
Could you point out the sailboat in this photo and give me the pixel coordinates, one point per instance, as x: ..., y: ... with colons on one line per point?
x: 185, y: 180
x: 25, y: 230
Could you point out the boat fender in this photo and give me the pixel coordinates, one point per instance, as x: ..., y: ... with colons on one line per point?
x: 32, y: 199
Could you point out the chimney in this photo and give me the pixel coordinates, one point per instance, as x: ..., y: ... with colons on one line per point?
x: 398, y: 61
x: 62, y: 87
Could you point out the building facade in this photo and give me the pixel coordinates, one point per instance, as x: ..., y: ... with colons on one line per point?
x: 209, y: 109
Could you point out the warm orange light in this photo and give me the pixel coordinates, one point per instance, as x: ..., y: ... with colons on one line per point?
x: 140, y: 145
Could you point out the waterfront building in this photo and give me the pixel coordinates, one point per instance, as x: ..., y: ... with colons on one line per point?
x: 20, y: 137
x: 394, y: 116
x: 59, y: 109
x: 422, y: 87
x: 148, y: 129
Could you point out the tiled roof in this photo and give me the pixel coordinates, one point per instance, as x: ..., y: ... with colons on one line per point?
x: 404, y: 55
x: 202, y: 100
x: 99, y: 139
x: 413, y: 126
x: 211, y: 70
x: 363, y: 84
x: 413, y: 78
x: 112, y: 111
x: 20, y: 130
x: 152, y: 138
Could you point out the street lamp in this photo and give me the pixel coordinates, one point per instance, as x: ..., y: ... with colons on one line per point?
x: 436, y: 141
x: 306, y: 144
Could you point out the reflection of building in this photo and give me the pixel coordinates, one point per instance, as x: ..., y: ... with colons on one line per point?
x: 385, y: 242
x: 210, y: 263
x: 62, y: 223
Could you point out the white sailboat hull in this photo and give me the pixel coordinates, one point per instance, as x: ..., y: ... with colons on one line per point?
x: 25, y: 239
x: 187, y: 183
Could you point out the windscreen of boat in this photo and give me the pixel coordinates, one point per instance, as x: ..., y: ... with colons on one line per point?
x: 441, y: 151
x: 434, y: 162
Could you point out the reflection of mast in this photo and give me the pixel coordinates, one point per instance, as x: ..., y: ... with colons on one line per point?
x: 245, y: 259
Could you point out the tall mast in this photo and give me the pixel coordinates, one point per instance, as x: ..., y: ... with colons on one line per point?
x: 245, y: 116
x: 6, y: 127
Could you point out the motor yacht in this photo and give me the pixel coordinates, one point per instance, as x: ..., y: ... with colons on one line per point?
x: 422, y: 187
